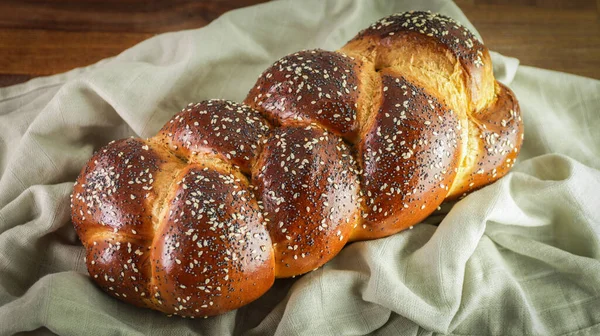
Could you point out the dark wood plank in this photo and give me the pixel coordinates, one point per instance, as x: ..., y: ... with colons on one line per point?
x: 37, y: 52
x: 11, y: 79
x: 139, y: 16
x: 553, y: 34
x: 39, y: 37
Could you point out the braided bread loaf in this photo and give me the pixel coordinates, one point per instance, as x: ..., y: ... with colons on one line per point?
x: 330, y: 147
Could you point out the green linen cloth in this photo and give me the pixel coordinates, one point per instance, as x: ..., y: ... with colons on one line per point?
x: 521, y: 256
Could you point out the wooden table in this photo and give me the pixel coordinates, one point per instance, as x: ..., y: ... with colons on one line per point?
x: 39, y: 38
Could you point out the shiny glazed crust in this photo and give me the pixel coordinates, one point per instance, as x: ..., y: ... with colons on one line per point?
x: 328, y: 147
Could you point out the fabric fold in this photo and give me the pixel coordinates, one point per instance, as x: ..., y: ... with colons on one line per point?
x: 520, y: 256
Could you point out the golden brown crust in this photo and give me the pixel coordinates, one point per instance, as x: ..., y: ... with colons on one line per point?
x: 117, y: 189
x: 224, y: 128
x: 421, y: 26
x: 151, y: 258
x: 310, y: 86
x: 172, y: 222
x: 405, y: 152
x: 450, y: 33
x: 497, y: 132
x: 112, y: 209
x: 121, y: 266
x: 212, y: 252
x: 306, y: 179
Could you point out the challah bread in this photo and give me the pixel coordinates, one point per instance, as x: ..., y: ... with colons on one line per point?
x: 329, y: 147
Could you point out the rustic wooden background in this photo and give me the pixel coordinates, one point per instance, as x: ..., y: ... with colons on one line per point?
x: 44, y: 37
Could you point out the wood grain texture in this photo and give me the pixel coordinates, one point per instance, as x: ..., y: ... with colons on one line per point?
x: 39, y: 38
x: 139, y: 16
x: 36, y: 52
x: 553, y: 34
